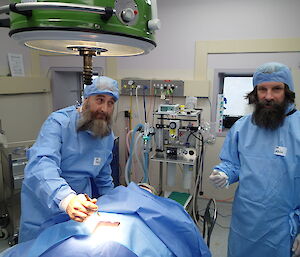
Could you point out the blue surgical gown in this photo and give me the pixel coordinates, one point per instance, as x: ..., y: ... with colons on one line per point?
x: 265, y: 214
x: 150, y: 226
x: 62, y: 161
x: 166, y: 218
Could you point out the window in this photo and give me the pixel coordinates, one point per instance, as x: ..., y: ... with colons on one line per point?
x: 234, y: 91
x: 231, y: 103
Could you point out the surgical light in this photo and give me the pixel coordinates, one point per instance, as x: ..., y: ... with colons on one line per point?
x: 85, y: 27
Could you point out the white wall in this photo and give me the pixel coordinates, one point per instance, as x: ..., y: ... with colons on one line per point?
x: 7, y: 45
x: 183, y: 24
x: 21, y: 115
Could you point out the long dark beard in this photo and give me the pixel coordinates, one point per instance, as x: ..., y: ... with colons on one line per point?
x: 99, y: 127
x: 269, y: 118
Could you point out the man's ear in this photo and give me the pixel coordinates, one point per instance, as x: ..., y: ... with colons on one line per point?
x: 85, y: 104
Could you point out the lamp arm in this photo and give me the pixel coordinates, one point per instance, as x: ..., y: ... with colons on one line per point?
x: 154, y: 23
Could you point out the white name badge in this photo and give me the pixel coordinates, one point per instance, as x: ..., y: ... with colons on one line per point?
x: 97, y: 161
x: 280, y: 150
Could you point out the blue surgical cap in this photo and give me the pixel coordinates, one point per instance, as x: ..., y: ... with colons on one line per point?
x: 273, y: 71
x: 102, y: 86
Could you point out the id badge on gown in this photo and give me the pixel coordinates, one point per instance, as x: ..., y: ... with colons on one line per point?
x: 97, y: 161
x: 280, y: 150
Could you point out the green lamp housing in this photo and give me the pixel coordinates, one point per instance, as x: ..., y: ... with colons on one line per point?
x: 103, y: 27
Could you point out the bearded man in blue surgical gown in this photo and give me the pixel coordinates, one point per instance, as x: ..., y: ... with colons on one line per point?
x: 262, y: 153
x: 70, y: 157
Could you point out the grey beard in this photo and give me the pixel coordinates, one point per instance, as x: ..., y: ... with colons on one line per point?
x: 269, y: 118
x: 99, y: 127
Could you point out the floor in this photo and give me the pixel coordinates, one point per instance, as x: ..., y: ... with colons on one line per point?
x: 218, y: 241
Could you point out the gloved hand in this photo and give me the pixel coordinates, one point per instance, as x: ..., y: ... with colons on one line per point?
x: 79, y: 208
x: 218, y: 178
x: 296, y: 246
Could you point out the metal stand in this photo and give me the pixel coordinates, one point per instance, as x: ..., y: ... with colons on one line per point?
x: 175, y: 143
x: 12, y: 164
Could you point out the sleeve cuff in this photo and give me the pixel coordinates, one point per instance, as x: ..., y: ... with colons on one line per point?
x: 65, y: 202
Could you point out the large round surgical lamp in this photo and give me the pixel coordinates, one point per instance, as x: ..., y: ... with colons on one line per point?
x: 84, y: 27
